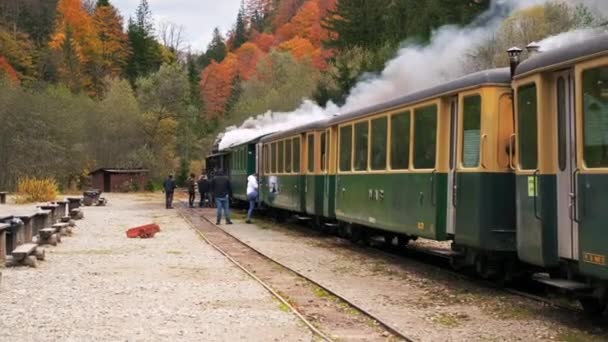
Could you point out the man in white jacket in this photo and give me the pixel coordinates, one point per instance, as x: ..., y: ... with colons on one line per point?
x: 252, y: 194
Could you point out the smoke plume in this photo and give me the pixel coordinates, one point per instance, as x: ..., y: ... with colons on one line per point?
x: 415, y: 67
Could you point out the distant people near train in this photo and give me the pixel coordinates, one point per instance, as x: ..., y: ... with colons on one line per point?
x: 203, y: 189
x: 252, y: 194
x: 222, y: 191
x: 191, y: 184
x: 169, y: 188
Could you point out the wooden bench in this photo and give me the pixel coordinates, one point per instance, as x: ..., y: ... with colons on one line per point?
x: 74, y: 203
x: 41, y: 220
x: 55, y: 216
x: 28, y: 226
x: 62, y: 228
x: 14, y: 232
x: 3, y: 195
x: 26, y: 254
x: 62, y: 209
x: 76, y: 214
x: 3, y: 227
x: 69, y: 221
x: 48, y: 236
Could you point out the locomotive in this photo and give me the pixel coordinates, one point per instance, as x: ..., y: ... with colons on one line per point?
x: 509, y: 165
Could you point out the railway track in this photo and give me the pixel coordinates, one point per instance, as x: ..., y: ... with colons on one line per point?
x: 439, y: 261
x: 327, y: 314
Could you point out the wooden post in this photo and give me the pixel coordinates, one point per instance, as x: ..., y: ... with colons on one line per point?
x: 3, y: 197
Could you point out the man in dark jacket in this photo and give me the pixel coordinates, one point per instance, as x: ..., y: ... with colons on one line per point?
x: 203, y: 189
x: 191, y: 182
x: 222, y: 191
x: 169, y: 187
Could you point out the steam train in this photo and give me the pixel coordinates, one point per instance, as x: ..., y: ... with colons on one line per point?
x: 511, y: 166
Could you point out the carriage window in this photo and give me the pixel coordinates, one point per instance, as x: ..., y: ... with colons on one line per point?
x: 379, y: 131
x: 471, y: 128
x: 296, y: 155
x: 311, y: 153
x: 323, y: 151
x: 425, y: 137
x: 288, y: 156
x: 595, y: 116
x: 346, y: 145
x: 281, y: 157
x: 361, y: 142
x: 400, y: 141
x: 527, y: 127
x: 273, y: 157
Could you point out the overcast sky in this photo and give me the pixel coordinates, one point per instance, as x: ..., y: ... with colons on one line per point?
x: 198, y: 17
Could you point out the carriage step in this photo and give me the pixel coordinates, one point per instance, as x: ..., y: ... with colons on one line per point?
x: 564, y: 284
x: 444, y: 253
x: 331, y: 225
x: 303, y: 218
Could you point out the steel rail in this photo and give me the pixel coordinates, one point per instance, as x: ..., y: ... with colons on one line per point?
x: 382, y: 323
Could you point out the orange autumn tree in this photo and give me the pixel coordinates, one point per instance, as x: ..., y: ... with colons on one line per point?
x: 114, y: 43
x: 216, y: 84
x: 264, y: 41
x: 76, y: 43
x: 7, y: 70
x: 248, y: 56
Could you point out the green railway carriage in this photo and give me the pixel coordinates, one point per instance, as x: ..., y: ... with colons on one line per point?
x: 243, y: 164
x: 561, y: 101
x: 281, y: 174
x: 433, y: 164
x: 319, y: 175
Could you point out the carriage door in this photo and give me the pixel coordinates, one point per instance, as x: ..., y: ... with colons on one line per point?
x: 566, y: 157
x: 452, y: 184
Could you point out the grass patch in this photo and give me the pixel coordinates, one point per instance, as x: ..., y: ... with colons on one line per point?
x: 509, y: 312
x: 320, y: 293
x: 284, y: 307
x: 449, y: 320
x: 174, y: 252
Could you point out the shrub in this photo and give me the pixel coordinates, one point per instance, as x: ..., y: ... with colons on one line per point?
x: 36, y: 190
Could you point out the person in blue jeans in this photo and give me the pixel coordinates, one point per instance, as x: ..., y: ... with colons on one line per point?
x: 252, y: 194
x: 222, y: 191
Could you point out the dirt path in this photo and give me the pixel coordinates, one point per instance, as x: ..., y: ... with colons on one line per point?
x: 100, y: 286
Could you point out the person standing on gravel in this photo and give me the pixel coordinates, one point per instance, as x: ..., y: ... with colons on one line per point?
x: 222, y: 191
x: 191, y: 190
x: 252, y: 194
x: 203, y: 189
x: 169, y: 188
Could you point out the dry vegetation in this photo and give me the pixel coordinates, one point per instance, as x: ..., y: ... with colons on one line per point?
x: 30, y: 190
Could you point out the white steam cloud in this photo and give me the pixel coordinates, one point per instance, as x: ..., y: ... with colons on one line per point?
x: 415, y: 67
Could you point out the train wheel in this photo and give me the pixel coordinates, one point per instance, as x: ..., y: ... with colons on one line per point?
x: 593, y: 305
x: 388, y: 240
x: 403, y: 240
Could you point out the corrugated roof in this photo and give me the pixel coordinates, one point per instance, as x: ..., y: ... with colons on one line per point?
x: 500, y: 76
x: 564, y: 55
x: 108, y: 170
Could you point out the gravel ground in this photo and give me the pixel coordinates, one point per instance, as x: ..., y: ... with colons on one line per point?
x: 423, y: 301
x: 99, y: 285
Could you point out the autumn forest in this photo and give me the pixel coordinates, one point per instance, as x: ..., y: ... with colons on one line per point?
x: 84, y: 86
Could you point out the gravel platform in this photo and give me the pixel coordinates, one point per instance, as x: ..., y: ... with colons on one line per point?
x: 100, y: 286
x: 423, y: 301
